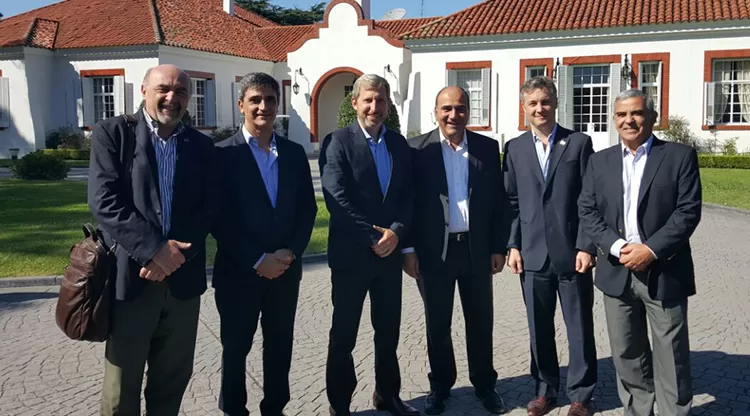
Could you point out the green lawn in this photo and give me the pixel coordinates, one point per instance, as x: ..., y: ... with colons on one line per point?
x: 40, y: 221
x: 730, y: 187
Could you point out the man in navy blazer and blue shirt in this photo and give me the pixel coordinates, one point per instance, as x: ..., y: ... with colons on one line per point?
x: 458, y: 238
x: 268, y: 211
x: 366, y: 176
x: 157, y: 205
x: 544, y: 170
x: 640, y: 204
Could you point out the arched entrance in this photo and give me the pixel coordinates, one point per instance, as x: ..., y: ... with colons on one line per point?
x: 327, y: 95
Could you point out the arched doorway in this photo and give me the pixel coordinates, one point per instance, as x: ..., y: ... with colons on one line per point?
x: 327, y: 95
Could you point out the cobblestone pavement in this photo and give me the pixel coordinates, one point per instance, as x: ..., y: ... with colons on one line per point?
x: 43, y: 373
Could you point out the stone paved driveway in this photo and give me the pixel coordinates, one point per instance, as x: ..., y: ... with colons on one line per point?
x: 43, y: 373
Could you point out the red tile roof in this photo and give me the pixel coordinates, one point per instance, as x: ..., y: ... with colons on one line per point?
x: 43, y: 33
x: 499, y: 17
x: 252, y: 18
x: 203, y: 25
x: 193, y: 24
x: 280, y: 40
x: 398, y: 27
x: 84, y: 23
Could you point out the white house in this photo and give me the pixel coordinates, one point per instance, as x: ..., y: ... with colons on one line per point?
x: 78, y: 61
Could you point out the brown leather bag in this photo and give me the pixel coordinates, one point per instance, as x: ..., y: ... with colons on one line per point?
x: 87, y: 288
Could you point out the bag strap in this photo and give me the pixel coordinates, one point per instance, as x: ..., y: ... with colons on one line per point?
x: 127, y: 154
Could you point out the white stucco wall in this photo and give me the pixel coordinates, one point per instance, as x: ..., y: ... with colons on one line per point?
x: 343, y: 44
x: 20, y: 134
x: 224, y: 67
x: 69, y: 65
x: 330, y: 100
x: 685, y: 79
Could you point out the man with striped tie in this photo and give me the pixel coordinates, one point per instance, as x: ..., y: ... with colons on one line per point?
x: 151, y: 190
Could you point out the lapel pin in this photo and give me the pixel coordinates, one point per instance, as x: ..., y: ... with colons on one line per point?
x: 562, y: 142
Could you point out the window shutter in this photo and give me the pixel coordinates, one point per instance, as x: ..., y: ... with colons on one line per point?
x: 4, y: 102
x: 486, y: 89
x: 565, y: 97
x: 86, y: 113
x: 119, y: 91
x: 210, y: 101
x: 451, y: 77
x: 238, y: 117
x: 709, y: 100
x: 659, y: 92
x: 616, y: 86
x: 219, y: 113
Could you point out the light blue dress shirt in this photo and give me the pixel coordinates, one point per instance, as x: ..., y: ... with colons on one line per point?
x: 381, y: 156
x: 269, y: 170
x: 267, y: 164
x: 542, y: 154
x: 166, y: 161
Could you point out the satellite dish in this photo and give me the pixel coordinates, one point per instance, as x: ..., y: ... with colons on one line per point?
x: 394, y: 14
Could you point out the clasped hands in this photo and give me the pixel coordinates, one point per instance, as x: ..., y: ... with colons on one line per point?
x: 387, y: 243
x: 636, y: 256
x: 275, y: 264
x: 168, y: 259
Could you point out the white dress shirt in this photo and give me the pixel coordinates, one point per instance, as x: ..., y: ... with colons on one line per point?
x: 632, y: 174
x: 456, y: 163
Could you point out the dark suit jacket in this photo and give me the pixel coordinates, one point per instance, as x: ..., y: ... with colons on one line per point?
x: 669, y: 210
x: 487, y: 233
x: 131, y: 214
x: 355, y: 201
x: 544, y: 213
x: 248, y: 225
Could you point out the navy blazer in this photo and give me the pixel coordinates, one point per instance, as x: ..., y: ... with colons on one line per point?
x: 669, y: 210
x: 130, y: 213
x: 248, y: 225
x: 544, y: 213
x: 354, y: 198
x: 487, y: 203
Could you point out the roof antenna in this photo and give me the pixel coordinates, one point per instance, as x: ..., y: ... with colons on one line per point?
x: 421, y: 9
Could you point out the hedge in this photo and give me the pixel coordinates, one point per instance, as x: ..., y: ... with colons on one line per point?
x: 68, y: 154
x: 724, y: 161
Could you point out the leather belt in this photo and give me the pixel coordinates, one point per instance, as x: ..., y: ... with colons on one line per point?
x: 459, y: 237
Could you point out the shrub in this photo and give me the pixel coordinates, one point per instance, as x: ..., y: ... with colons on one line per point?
x: 678, y: 131
x: 347, y: 115
x: 223, y: 133
x: 40, y: 166
x: 730, y: 146
x: 724, y: 162
x: 281, y: 125
x: 67, y: 138
x: 412, y: 133
x: 69, y: 154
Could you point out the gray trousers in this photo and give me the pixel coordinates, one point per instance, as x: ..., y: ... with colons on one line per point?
x: 644, y: 376
x: 154, y: 328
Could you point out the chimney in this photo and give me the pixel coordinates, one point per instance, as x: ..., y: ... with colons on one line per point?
x: 229, y: 7
x: 365, y: 4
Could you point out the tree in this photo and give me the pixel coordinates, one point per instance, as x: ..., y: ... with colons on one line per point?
x: 282, y: 15
x: 347, y: 115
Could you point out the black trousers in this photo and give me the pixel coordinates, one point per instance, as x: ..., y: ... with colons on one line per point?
x: 576, y: 292
x: 438, y: 289
x: 275, y: 301
x: 349, y: 287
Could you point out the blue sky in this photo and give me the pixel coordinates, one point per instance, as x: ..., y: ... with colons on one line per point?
x: 379, y: 7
